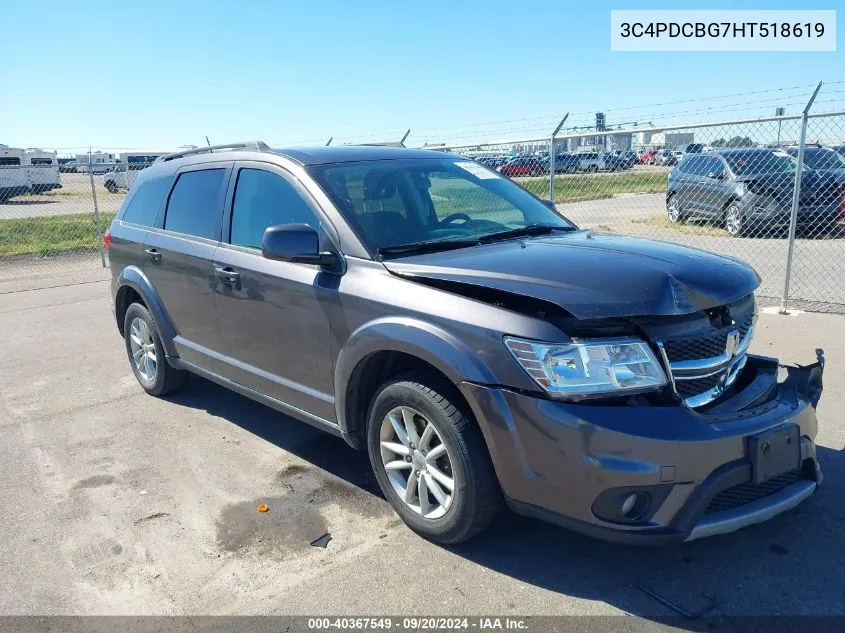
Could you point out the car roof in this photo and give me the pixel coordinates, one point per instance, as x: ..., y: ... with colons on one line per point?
x: 352, y: 153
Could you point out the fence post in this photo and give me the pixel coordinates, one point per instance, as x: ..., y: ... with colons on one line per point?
x: 796, y: 198
x: 97, y: 209
x: 552, y: 153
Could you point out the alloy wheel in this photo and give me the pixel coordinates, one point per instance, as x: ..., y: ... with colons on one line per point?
x: 417, y: 462
x: 143, y: 349
x: 733, y: 220
x: 674, y: 210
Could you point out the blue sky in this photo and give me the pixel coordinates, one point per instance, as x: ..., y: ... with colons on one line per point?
x: 159, y: 74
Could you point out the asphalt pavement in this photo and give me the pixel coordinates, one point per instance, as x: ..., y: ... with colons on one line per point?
x: 115, y: 502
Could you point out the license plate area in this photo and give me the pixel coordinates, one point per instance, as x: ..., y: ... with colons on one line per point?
x: 774, y: 452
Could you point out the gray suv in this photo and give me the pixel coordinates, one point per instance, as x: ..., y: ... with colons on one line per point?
x: 482, y: 349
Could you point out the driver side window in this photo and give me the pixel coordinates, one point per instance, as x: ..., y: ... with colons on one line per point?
x: 264, y: 199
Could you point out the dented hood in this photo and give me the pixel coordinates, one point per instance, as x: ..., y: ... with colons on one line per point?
x: 592, y: 275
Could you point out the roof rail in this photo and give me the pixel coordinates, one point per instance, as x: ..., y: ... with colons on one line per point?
x: 259, y: 146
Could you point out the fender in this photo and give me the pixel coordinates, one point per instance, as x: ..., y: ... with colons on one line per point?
x: 428, y: 342
x: 133, y: 277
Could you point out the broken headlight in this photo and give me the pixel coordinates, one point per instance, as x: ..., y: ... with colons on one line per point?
x: 589, y: 367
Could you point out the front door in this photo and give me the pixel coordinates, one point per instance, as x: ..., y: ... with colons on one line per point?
x: 274, y: 316
x: 177, y: 260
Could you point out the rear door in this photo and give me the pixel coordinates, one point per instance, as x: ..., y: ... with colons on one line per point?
x: 178, y: 255
x: 273, y: 315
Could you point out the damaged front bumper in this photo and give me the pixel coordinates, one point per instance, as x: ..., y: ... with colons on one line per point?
x: 651, y: 474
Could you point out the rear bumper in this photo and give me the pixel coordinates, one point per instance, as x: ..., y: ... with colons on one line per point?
x: 561, y: 462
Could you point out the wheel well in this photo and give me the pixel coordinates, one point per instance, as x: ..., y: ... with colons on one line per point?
x: 376, y: 369
x: 126, y: 296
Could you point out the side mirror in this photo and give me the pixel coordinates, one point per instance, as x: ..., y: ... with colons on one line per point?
x: 295, y: 243
x: 716, y: 175
x: 549, y: 204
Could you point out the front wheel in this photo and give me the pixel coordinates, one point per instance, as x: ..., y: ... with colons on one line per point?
x: 673, y: 209
x: 592, y: 169
x: 734, y: 220
x: 430, y: 460
x: 111, y: 186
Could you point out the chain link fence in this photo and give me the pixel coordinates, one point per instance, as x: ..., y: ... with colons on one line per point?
x: 725, y: 187
x: 53, y: 213
x: 728, y: 187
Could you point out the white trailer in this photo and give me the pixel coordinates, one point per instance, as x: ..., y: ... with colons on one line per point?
x: 96, y: 162
x: 27, y: 171
x: 129, y: 164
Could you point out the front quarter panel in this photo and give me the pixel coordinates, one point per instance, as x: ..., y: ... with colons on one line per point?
x: 462, y: 338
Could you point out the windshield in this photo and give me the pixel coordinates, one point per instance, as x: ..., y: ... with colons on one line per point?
x: 760, y: 162
x: 397, y: 203
x: 823, y: 158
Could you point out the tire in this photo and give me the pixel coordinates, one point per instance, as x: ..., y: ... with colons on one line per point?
x: 111, y: 186
x: 735, y: 220
x: 674, y: 210
x: 163, y: 379
x: 592, y: 169
x: 475, y: 498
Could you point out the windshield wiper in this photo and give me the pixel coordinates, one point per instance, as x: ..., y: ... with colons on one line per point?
x: 430, y: 246
x: 531, y: 229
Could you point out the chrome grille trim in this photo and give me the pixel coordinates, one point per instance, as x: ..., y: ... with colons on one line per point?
x: 710, y: 364
x: 728, y: 364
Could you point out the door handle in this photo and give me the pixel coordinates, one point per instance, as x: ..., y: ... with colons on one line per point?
x: 152, y: 254
x: 227, y: 274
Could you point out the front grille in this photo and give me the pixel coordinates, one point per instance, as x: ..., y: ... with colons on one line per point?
x: 703, y: 346
x: 687, y: 388
x: 741, y: 494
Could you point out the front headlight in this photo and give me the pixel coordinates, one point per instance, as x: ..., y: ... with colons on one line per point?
x: 589, y: 367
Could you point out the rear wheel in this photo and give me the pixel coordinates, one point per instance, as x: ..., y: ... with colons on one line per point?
x: 146, y: 354
x: 111, y: 186
x: 592, y: 169
x: 430, y: 460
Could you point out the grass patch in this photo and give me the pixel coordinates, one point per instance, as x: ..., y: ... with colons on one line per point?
x: 50, y: 235
x: 578, y: 187
x: 691, y: 227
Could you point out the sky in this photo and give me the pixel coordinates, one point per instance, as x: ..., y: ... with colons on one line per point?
x: 158, y: 75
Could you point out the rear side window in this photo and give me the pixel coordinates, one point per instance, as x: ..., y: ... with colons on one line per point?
x: 264, y: 199
x: 144, y: 205
x: 194, y: 204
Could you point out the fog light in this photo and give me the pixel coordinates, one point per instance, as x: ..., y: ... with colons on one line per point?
x: 629, y: 505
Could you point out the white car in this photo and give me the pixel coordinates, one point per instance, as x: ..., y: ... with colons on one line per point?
x: 666, y: 157
x: 594, y: 161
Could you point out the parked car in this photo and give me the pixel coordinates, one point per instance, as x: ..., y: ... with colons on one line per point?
x: 665, y: 158
x: 479, y: 347
x: 627, y: 158
x: 522, y: 166
x: 690, y: 148
x: 822, y: 159
x: 839, y: 149
x: 564, y: 164
x: 749, y: 190
x: 647, y: 157
x: 567, y: 163
x: 592, y: 162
